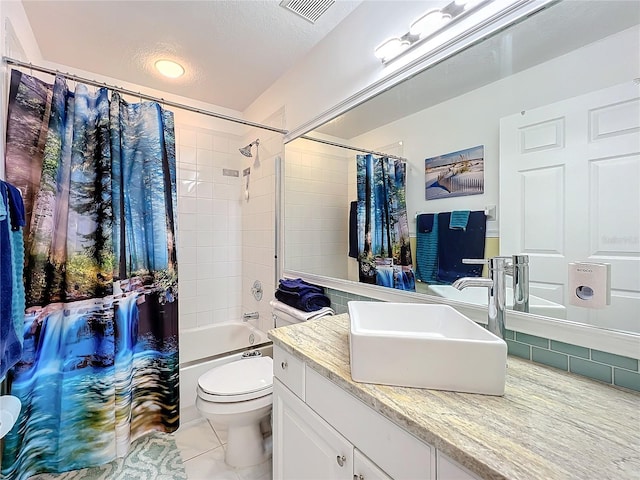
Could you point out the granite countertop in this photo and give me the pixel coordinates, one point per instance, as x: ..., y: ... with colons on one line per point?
x: 548, y: 425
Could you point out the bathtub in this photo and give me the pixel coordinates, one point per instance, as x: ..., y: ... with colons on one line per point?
x: 203, y: 348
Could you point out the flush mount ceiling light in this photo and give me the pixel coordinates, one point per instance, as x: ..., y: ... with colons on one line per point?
x: 169, y: 68
x: 433, y: 22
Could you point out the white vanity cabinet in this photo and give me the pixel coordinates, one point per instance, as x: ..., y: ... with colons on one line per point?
x: 305, y: 447
x: 308, y: 448
x: 331, y: 434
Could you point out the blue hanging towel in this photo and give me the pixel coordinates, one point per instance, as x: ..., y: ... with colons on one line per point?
x: 459, y: 219
x: 18, y: 220
x: 10, y: 338
x: 353, y: 230
x: 457, y: 244
x: 427, y: 247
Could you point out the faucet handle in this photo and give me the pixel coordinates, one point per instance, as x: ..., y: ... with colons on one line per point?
x: 475, y: 261
x: 520, y: 259
x: 494, y: 263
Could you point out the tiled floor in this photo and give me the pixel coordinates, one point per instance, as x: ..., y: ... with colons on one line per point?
x: 202, y: 450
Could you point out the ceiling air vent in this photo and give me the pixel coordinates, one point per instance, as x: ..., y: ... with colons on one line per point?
x: 310, y: 10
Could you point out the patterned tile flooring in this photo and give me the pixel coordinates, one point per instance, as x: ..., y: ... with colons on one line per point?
x: 202, y: 450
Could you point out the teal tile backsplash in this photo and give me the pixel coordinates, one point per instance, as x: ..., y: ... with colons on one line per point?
x: 627, y: 379
x: 601, y: 366
x: 591, y: 369
x: 550, y: 358
x: 616, y: 360
x: 569, y: 349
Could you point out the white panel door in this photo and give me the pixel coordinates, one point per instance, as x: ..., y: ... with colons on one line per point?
x: 305, y: 447
x: 570, y: 191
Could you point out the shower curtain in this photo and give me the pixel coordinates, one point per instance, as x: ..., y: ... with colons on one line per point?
x: 384, y: 251
x: 100, y: 356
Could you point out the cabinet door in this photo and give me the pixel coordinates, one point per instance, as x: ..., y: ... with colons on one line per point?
x: 305, y: 447
x: 365, y: 469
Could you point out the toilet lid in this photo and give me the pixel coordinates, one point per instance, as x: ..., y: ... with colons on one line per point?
x: 244, y: 376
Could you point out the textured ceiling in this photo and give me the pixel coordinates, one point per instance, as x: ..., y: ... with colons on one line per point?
x: 232, y: 50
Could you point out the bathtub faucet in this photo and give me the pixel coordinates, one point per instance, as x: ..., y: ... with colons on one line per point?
x: 250, y: 316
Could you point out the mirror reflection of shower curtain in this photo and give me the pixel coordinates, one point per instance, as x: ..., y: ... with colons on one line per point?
x: 384, y: 251
x: 100, y: 361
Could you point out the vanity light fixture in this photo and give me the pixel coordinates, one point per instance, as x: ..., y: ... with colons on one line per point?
x: 431, y: 23
x: 467, y: 4
x: 169, y: 68
x: 391, y: 48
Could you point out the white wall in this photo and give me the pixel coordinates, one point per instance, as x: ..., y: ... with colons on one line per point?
x: 16, y: 41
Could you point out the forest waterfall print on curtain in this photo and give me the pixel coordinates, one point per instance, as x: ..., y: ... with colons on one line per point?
x: 384, y: 251
x: 100, y: 361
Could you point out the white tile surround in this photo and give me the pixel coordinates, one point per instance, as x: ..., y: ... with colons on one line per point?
x: 321, y: 180
x: 202, y: 450
x: 225, y: 242
x: 209, y: 226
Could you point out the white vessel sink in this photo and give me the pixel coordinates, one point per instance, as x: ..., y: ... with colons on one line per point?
x: 478, y: 296
x: 424, y: 346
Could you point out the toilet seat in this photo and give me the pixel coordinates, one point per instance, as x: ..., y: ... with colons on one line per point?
x: 237, y: 381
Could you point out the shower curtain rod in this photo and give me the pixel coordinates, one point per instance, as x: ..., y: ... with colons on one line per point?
x: 356, y: 149
x: 182, y: 106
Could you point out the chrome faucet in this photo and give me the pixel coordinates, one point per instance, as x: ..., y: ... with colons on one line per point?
x: 519, y: 271
x: 250, y: 316
x: 497, y: 291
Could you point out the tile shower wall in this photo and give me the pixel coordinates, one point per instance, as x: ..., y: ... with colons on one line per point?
x: 319, y: 179
x: 209, y: 226
x: 602, y: 366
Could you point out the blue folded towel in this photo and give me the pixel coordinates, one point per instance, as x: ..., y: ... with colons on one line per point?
x: 427, y: 247
x: 459, y: 219
x: 297, y: 285
x: 307, y: 302
x: 454, y: 245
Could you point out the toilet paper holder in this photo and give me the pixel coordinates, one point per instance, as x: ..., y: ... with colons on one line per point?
x: 589, y: 284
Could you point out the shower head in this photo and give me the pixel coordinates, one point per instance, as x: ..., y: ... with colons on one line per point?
x: 246, y: 151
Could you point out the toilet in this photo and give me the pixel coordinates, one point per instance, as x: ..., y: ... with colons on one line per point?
x: 238, y: 395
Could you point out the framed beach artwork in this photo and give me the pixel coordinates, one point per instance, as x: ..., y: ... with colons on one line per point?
x: 455, y: 174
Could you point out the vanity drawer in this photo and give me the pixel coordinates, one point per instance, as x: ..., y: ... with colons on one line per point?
x: 398, y: 453
x: 289, y: 370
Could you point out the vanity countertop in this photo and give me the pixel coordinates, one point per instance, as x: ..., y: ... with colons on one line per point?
x: 548, y: 425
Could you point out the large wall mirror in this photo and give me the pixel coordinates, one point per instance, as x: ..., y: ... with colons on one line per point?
x: 554, y: 100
